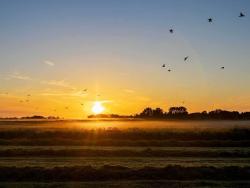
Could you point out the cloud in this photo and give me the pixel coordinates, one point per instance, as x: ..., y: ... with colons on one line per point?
x: 54, y: 94
x: 128, y: 90
x: 79, y: 93
x: 106, y: 101
x: 50, y: 63
x: 59, y: 83
x: 17, y: 75
x: 70, y: 94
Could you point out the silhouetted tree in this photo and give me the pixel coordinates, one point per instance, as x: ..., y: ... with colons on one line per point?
x: 177, y: 110
x: 223, y: 114
x: 147, y: 112
x: 158, y: 113
x: 182, y: 113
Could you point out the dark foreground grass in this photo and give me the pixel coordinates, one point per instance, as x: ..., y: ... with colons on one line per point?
x: 119, y: 152
x: 130, y: 137
x: 130, y: 184
x: 111, y: 173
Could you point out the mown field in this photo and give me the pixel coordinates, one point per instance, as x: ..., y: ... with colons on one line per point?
x: 100, y: 153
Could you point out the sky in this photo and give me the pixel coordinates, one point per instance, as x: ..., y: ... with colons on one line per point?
x: 52, y: 50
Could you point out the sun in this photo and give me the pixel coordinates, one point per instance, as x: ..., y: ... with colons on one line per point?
x: 97, y: 108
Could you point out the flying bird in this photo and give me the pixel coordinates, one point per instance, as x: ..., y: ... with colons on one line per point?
x: 185, y: 58
x: 171, y: 30
x: 222, y: 67
x: 210, y: 20
x: 85, y: 90
x: 242, y: 15
x: 163, y: 65
x: 169, y: 70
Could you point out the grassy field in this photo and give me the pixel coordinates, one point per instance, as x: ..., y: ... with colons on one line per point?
x: 132, y: 184
x: 216, y: 154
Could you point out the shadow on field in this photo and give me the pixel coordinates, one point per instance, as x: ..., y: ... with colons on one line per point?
x: 105, y: 173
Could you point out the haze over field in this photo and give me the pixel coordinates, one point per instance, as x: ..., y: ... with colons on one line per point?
x: 74, y: 58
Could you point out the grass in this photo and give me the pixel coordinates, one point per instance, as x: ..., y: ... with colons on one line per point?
x: 131, y: 184
x: 237, y: 137
x: 105, y: 173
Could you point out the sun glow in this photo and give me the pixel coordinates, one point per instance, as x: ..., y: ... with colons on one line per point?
x: 97, y: 108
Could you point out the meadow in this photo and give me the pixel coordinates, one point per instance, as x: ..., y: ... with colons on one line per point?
x: 138, y: 153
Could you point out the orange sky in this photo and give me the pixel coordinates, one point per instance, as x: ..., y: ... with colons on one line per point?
x: 54, y: 50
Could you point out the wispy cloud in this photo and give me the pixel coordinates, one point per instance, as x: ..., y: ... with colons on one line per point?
x: 129, y: 91
x: 50, y: 63
x: 54, y: 94
x: 70, y: 94
x: 19, y: 76
x: 106, y: 101
x: 59, y: 83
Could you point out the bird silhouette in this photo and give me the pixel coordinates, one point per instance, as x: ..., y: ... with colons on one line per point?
x: 242, y: 15
x: 171, y: 30
x: 85, y: 90
x: 163, y: 65
x: 210, y: 20
x: 185, y: 58
x: 169, y: 70
x: 222, y: 67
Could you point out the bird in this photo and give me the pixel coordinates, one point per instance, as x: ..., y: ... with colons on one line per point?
x: 210, y: 20
x: 82, y: 104
x: 242, y: 15
x: 85, y: 90
x: 66, y: 107
x: 163, y: 65
x: 185, y: 58
x: 169, y: 70
x: 171, y: 30
x: 222, y: 67
x: 28, y: 95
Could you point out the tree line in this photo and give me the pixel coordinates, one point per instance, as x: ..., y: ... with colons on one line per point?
x: 181, y: 112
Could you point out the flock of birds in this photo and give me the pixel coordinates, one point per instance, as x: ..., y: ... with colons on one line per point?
x: 27, y: 99
x: 210, y: 20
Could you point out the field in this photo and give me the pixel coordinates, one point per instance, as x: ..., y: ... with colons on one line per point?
x: 121, y: 153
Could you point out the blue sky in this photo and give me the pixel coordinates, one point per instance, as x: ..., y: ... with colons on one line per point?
x: 112, y: 45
